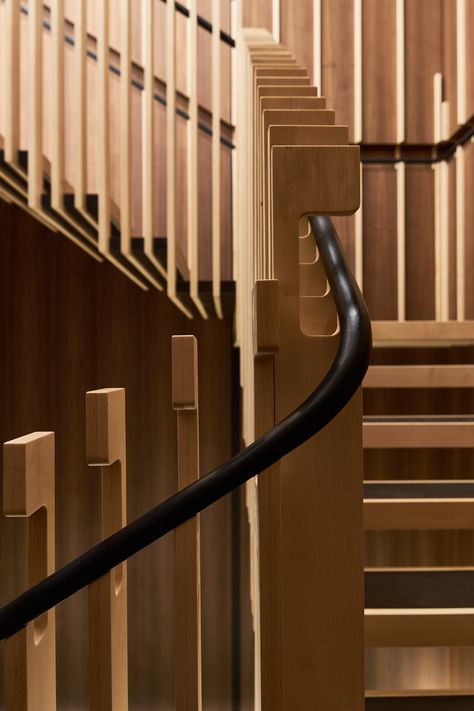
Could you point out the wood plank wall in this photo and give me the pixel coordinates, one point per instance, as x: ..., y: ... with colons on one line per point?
x: 392, y: 113
x: 68, y: 325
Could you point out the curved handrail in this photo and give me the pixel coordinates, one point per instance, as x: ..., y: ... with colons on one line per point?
x: 332, y: 394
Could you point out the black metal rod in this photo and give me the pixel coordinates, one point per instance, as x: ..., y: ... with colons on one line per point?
x: 331, y: 395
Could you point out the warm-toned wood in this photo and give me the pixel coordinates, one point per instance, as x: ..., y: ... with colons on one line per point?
x: 12, y: 88
x: 400, y: 69
x: 103, y: 126
x: 418, y: 514
x: 358, y: 76
x: 35, y: 109
x: 460, y: 235
x: 433, y: 432
x: 419, y: 627
x: 265, y: 318
x: 401, y: 249
x: 423, y: 333
x: 28, y: 491
x: 216, y: 159
x: 57, y: 127
x: 108, y: 646
x: 188, y: 663
x: 419, y: 376
x: 80, y: 34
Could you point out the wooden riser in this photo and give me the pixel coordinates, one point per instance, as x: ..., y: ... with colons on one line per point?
x: 397, y: 334
x: 397, y: 588
x: 418, y: 514
x: 440, y: 627
x: 419, y: 376
x: 418, y: 432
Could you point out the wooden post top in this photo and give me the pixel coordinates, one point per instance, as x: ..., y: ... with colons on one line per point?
x: 28, y: 474
x: 105, y: 430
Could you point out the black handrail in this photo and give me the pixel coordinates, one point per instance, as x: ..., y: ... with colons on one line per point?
x: 332, y: 394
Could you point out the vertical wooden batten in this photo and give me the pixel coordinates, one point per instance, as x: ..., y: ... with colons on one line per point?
x: 80, y: 35
x: 216, y: 157
x: 12, y: 84
x: 57, y: 123
x: 359, y: 234
x: 460, y: 235
x: 188, y: 665
x: 108, y: 651
x: 28, y: 491
x: 400, y: 69
x: 317, y: 45
x: 461, y: 20
x: 35, y: 109
x: 358, y: 91
x: 401, y: 252
x: 103, y: 125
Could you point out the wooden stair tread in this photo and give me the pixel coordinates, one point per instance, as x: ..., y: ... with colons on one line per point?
x: 421, y: 431
x: 419, y: 376
x: 419, y: 627
x: 426, y: 700
x: 429, y: 489
x: 424, y: 333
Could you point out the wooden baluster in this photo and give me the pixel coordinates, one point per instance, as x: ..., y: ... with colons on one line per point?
x: 28, y: 490
x: 105, y: 444
x: 187, y: 539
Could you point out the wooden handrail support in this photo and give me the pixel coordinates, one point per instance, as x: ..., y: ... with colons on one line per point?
x: 188, y: 664
x: 105, y: 445
x: 28, y: 490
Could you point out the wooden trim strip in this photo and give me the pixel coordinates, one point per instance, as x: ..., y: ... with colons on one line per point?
x: 401, y: 264
x: 35, y: 153
x: 358, y: 71
x: 80, y: 35
x: 57, y: 123
x: 216, y: 159
x: 359, y: 231
x: 400, y: 69
x: 460, y: 234
x: 103, y: 148
x: 317, y: 45
x: 12, y: 84
x: 419, y: 376
x: 437, y: 100
x: 125, y: 128
x: 461, y: 60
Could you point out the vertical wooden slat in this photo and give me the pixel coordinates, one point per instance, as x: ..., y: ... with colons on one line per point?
x: 357, y: 71
x: 80, y: 35
x: 276, y: 20
x: 216, y: 157
x: 171, y: 148
x: 317, y: 45
x: 57, y: 123
x: 192, y: 157
x: 438, y: 100
x: 461, y: 60
x: 442, y: 240
x: 12, y: 85
x: 105, y: 445
x: 358, y: 229
x: 35, y: 153
x: 188, y: 663
x: 460, y: 235
x: 28, y: 490
x: 400, y: 69
x: 103, y: 146
x: 125, y: 127
x: 401, y: 261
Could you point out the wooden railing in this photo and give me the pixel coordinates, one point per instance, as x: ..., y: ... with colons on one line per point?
x: 109, y: 121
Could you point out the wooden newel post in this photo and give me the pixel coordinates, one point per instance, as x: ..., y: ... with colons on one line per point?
x: 187, y: 541
x: 28, y: 490
x: 105, y: 444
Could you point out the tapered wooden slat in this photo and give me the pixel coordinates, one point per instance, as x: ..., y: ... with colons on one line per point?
x: 12, y: 85
x: 419, y: 627
x: 28, y: 490
x: 105, y: 445
x: 406, y: 432
x: 419, y: 376
x: 188, y: 664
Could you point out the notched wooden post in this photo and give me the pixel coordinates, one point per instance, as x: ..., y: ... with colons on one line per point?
x: 28, y: 491
x: 187, y: 538
x: 105, y: 445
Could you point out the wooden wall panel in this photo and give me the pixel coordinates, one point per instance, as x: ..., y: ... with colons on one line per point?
x: 380, y: 246
x: 422, y: 61
x: 75, y: 325
x: 337, y: 60
x: 296, y: 19
x: 379, y: 71
x: 257, y: 14
x: 420, y: 217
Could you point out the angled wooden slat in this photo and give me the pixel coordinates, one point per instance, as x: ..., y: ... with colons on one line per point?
x: 28, y: 490
x: 188, y: 664
x: 105, y: 447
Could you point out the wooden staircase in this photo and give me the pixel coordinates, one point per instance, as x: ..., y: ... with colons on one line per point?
x: 425, y: 606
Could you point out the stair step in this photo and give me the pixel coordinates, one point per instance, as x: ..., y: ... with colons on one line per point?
x: 426, y: 700
x: 403, y: 588
x: 422, y: 333
x: 413, y: 627
x: 402, y: 432
x: 419, y: 376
